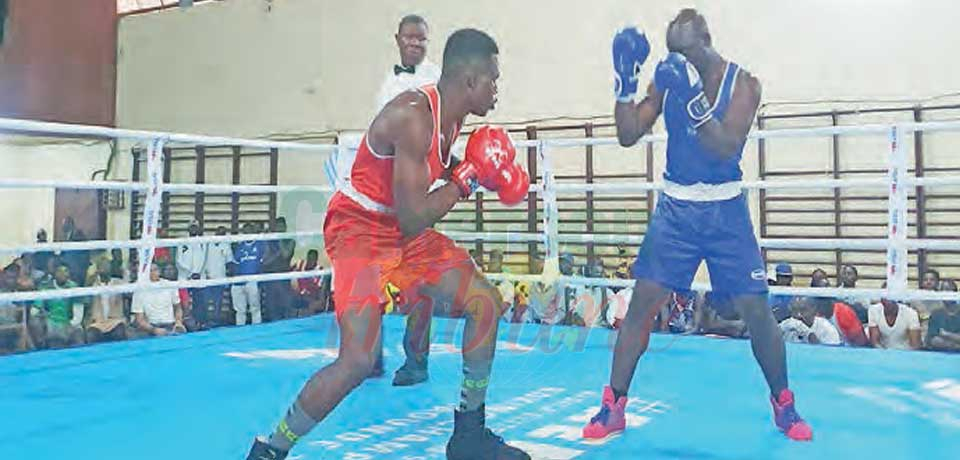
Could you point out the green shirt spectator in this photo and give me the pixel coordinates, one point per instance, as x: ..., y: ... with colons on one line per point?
x: 63, y: 316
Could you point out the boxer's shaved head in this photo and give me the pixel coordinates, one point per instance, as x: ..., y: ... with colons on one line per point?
x: 466, y: 49
x: 470, y: 61
x: 688, y: 32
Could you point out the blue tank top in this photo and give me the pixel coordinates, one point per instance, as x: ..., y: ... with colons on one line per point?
x: 689, y: 162
x: 249, y: 255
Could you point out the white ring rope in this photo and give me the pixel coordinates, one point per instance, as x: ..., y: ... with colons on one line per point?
x: 840, y: 293
x: 898, y: 130
x: 41, y: 127
x: 32, y: 296
x: 867, y: 244
x: 160, y: 243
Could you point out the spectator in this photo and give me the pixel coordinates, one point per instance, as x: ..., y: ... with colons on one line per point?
x: 678, y: 315
x: 106, y: 321
x: 846, y: 321
x: 477, y: 258
x: 14, y: 333
x: 807, y: 325
x: 588, y: 302
x: 824, y: 330
x: 278, y: 258
x: 520, y: 311
x: 161, y: 254
x: 547, y: 304
x: 930, y: 281
x: 780, y: 303
x: 170, y: 273
x: 617, y: 305
x: 944, y: 331
x: 718, y: 317
x: 62, y: 317
x: 77, y: 261
x: 41, y: 258
x: 118, y: 270
x: 623, y: 264
x: 218, y: 256
x: 848, y: 278
x: 544, y: 304
x: 819, y: 279
x: 158, y: 311
x: 49, y: 270
x: 311, y: 292
x: 414, y: 70
x: 506, y: 287
x: 28, y: 276
x: 91, y: 273
x: 191, y: 264
x: 248, y: 257
x: 893, y: 325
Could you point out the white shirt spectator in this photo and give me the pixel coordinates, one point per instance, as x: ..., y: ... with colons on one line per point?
x: 157, y: 305
x: 395, y: 83
x: 894, y: 336
x: 795, y: 330
x: 618, y: 305
x: 545, y: 304
x: 825, y: 331
x: 508, y: 293
x: 218, y: 256
x: 191, y: 260
x: 587, y: 303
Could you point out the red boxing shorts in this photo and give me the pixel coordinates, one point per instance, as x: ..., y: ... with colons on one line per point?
x: 367, y: 250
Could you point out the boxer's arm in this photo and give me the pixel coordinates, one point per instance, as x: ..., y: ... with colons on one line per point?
x: 416, y: 209
x: 635, y: 120
x: 728, y: 136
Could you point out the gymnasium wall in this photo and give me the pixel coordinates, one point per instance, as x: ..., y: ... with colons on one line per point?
x: 256, y: 67
x: 57, y: 63
x: 302, y: 67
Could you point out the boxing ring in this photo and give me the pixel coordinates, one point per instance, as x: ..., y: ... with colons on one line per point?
x: 206, y: 394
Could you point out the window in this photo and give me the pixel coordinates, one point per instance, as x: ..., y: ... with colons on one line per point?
x: 3, y: 18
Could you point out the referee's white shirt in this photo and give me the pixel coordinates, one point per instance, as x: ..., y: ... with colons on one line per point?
x: 394, y: 84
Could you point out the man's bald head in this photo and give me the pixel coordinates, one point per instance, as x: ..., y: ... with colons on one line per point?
x: 688, y: 32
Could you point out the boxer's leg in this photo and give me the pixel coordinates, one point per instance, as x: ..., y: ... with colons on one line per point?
x: 359, y: 334
x: 736, y: 268
x: 359, y: 315
x: 667, y: 261
x: 449, y: 277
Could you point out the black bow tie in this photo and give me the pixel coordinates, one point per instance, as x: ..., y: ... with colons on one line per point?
x: 399, y: 69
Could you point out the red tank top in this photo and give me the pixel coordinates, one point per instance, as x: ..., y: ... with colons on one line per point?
x: 372, y: 174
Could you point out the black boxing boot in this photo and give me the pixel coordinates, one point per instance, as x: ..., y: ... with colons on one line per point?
x: 472, y: 440
x: 262, y: 450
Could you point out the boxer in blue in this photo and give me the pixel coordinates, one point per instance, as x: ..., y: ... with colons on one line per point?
x: 708, y: 105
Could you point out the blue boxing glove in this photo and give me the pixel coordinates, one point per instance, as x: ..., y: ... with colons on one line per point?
x: 630, y: 51
x: 679, y: 76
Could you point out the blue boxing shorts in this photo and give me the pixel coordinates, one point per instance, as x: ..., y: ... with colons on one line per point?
x: 683, y: 233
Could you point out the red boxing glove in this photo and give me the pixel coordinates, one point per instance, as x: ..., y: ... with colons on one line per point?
x: 489, y: 151
x: 514, y: 185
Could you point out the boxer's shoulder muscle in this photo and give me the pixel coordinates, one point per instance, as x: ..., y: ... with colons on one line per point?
x: 402, y: 121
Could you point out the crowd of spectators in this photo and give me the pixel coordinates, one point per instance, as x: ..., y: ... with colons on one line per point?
x: 844, y: 321
x: 71, y: 321
x: 63, y: 322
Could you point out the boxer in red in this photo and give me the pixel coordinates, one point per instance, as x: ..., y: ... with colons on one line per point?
x: 379, y: 230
